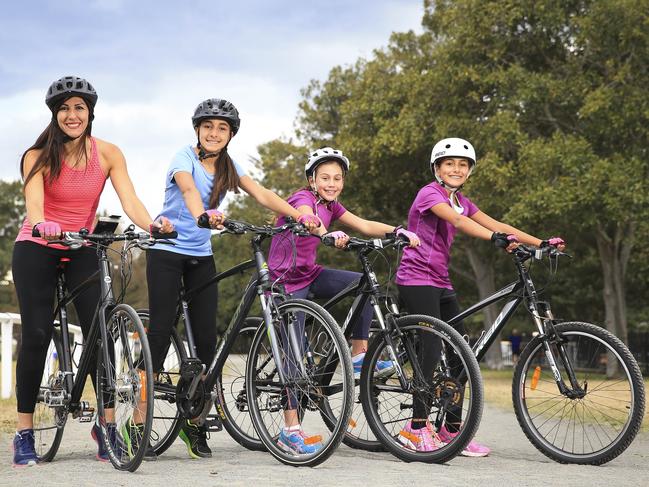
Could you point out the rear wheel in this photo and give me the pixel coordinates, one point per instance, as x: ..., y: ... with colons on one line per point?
x: 600, y: 421
x: 124, y: 385
x: 231, y: 389
x: 49, y: 422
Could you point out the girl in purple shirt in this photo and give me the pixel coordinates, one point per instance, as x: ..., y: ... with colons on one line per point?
x: 325, y: 172
x: 439, y: 210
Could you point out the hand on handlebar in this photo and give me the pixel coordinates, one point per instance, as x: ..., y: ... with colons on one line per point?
x: 556, y: 242
x: 340, y: 238
x: 212, y: 218
x: 310, y: 221
x: 161, y: 225
x: 408, y: 235
x: 505, y: 241
x: 47, y: 230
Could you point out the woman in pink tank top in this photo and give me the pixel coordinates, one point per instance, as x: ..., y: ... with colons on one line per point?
x: 64, y: 172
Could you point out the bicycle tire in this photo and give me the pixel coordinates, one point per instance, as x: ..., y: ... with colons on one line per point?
x: 167, y: 419
x: 231, y: 391
x: 49, y: 422
x: 387, y: 405
x: 131, y: 383
x: 264, y: 385
x: 537, y: 402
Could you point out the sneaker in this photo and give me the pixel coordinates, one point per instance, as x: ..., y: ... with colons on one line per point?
x: 383, y: 367
x: 195, y: 437
x: 298, y: 443
x: 132, y: 433
x: 24, y: 451
x: 422, y: 439
x: 473, y: 449
x: 98, y: 435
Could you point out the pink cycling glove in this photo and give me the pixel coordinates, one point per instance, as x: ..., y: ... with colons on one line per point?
x: 308, y: 219
x: 215, y: 214
x: 411, y: 236
x: 336, y: 235
x: 553, y: 242
x: 48, y: 229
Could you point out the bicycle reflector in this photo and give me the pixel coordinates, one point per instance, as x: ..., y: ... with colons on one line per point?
x: 535, y: 378
x: 312, y: 440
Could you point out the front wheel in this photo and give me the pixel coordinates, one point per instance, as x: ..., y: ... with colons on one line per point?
x: 590, y: 424
x: 49, y: 421
x: 441, y: 391
x: 125, y: 388
x: 306, y: 339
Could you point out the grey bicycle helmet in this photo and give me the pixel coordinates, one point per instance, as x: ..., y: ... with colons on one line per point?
x: 325, y: 154
x: 217, y: 108
x: 69, y: 86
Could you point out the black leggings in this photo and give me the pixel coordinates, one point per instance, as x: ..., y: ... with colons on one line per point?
x: 34, y: 273
x: 440, y: 303
x: 166, y: 272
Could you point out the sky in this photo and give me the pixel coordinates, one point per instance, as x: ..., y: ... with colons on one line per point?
x: 152, y: 62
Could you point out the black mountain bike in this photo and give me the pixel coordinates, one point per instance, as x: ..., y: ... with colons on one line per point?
x: 578, y: 393
x: 396, y: 339
x: 282, y: 365
x: 123, y: 360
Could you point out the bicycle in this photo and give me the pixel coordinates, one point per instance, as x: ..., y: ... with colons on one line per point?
x: 367, y: 288
x: 577, y: 391
x: 123, y: 360
x: 397, y: 339
x: 195, y: 388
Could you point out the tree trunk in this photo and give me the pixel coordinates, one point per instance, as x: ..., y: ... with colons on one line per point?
x: 483, y: 271
x: 614, y: 253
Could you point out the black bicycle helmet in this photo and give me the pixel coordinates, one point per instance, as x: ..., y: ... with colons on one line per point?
x: 217, y: 108
x: 69, y: 86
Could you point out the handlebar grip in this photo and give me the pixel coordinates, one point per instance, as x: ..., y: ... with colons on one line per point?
x: 203, y: 221
x: 158, y: 235
x: 329, y: 241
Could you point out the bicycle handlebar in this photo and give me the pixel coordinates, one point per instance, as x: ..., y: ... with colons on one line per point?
x: 75, y: 240
x: 525, y: 252
x: 239, y: 227
x: 360, y: 244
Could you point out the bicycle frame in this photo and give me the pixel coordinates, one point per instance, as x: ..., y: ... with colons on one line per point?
x: 73, y: 388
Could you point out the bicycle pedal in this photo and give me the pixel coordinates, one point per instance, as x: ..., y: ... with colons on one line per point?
x: 190, y: 368
x: 213, y: 423
x: 87, y: 416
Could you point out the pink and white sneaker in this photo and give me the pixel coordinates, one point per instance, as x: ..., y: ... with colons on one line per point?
x: 423, y: 439
x: 473, y: 449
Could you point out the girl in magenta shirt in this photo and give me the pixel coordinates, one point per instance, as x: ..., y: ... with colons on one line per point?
x: 325, y: 171
x: 439, y: 210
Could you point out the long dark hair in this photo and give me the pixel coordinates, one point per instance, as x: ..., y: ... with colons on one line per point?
x: 51, y: 142
x: 225, y: 178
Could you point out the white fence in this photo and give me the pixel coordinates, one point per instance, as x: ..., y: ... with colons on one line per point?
x: 7, y: 321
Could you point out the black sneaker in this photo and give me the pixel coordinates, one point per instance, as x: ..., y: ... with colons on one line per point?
x: 195, y: 437
x: 132, y: 433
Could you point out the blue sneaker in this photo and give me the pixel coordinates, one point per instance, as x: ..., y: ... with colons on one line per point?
x: 298, y: 443
x: 24, y: 451
x: 383, y: 367
x: 98, y: 435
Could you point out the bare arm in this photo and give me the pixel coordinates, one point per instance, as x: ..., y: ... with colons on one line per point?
x: 123, y: 185
x: 462, y: 223
x: 267, y: 198
x: 190, y: 193
x: 34, y: 191
x: 366, y: 227
x: 496, y: 226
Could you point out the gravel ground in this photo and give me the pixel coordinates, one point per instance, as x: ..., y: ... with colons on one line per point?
x: 513, y: 460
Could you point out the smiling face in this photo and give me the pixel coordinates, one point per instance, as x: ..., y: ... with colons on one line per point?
x: 214, y: 134
x: 72, y: 117
x: 328, y: 181
x: 454, y: 171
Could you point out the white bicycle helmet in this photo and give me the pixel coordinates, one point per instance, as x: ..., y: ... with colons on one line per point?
x: 326, y: 154
x: 452, y: 147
